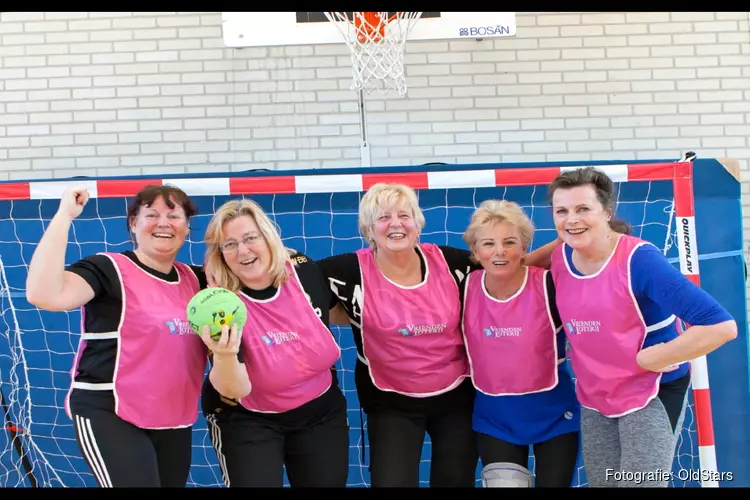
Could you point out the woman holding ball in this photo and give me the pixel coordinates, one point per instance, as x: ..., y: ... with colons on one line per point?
x: 138, y: 371
x: 295, y: 413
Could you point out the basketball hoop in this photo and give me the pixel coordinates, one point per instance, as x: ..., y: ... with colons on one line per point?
x: 376, y: 41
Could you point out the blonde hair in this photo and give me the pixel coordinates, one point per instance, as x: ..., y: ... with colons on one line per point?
x: 383, y: 195
x: 492, y: 212
x: 223, y: 276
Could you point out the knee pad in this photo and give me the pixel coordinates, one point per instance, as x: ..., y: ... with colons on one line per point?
x: 505, y: 475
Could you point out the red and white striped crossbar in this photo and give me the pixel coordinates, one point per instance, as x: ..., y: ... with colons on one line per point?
x: 679, y: 172
x: 329, y: 183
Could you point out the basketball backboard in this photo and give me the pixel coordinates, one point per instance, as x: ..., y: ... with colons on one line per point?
x: 260, y: 29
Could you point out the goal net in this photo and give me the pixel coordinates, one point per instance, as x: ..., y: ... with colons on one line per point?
x: 317, y: 214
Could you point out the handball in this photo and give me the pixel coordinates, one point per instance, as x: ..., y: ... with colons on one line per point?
x: 216, y: 307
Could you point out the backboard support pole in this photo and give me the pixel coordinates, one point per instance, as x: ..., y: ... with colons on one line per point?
x: 364, y: 140
x: 270, y: 29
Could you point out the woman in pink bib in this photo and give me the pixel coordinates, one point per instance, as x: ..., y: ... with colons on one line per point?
x: 401, y: 299
x: 137, y: 376
x: 620, y: 299
x: 516, y: 348
x: 295, y: 414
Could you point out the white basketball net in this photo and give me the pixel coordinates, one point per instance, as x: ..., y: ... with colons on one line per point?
x: 376, y: 42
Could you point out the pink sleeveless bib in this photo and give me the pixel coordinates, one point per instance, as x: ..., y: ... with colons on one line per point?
x: 288, y: 350
x: 511, y: 343
x: 161, y: 363
x: 606, y: 331
x: 411, y: 338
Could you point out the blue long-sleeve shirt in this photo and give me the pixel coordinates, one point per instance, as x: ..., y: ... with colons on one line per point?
x: 661, y: 290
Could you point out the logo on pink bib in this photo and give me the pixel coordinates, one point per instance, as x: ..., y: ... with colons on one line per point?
x: 577, y: 327
x: 276, y: 338
x: 417, y: 330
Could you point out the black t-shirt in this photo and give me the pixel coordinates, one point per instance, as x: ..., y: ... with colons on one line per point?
x: 318, y: 292
x: 102, y: 313
x: 345, y: 279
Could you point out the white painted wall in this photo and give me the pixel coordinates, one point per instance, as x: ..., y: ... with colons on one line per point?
x: 142, y: 93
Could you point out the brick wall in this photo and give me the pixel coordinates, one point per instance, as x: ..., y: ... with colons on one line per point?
x: 140, y: 93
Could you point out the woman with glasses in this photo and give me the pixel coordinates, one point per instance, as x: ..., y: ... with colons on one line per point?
x: 295, y: 413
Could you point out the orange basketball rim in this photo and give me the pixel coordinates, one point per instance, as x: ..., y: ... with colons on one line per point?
x: 371, y: 26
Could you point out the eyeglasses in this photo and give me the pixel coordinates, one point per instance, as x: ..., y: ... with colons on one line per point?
x: 249, y: 241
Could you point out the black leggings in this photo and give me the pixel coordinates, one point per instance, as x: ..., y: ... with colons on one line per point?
x: 555, y: 459
x: 120, y: 454
x: 396, y: 440
x: 312, y: 441
x: 396, y: 435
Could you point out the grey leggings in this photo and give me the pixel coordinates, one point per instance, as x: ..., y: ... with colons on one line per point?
x: 635, y: 450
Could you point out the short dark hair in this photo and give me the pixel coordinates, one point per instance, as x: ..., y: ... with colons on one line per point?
x: 603, y: 187
x: 171, y: 194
